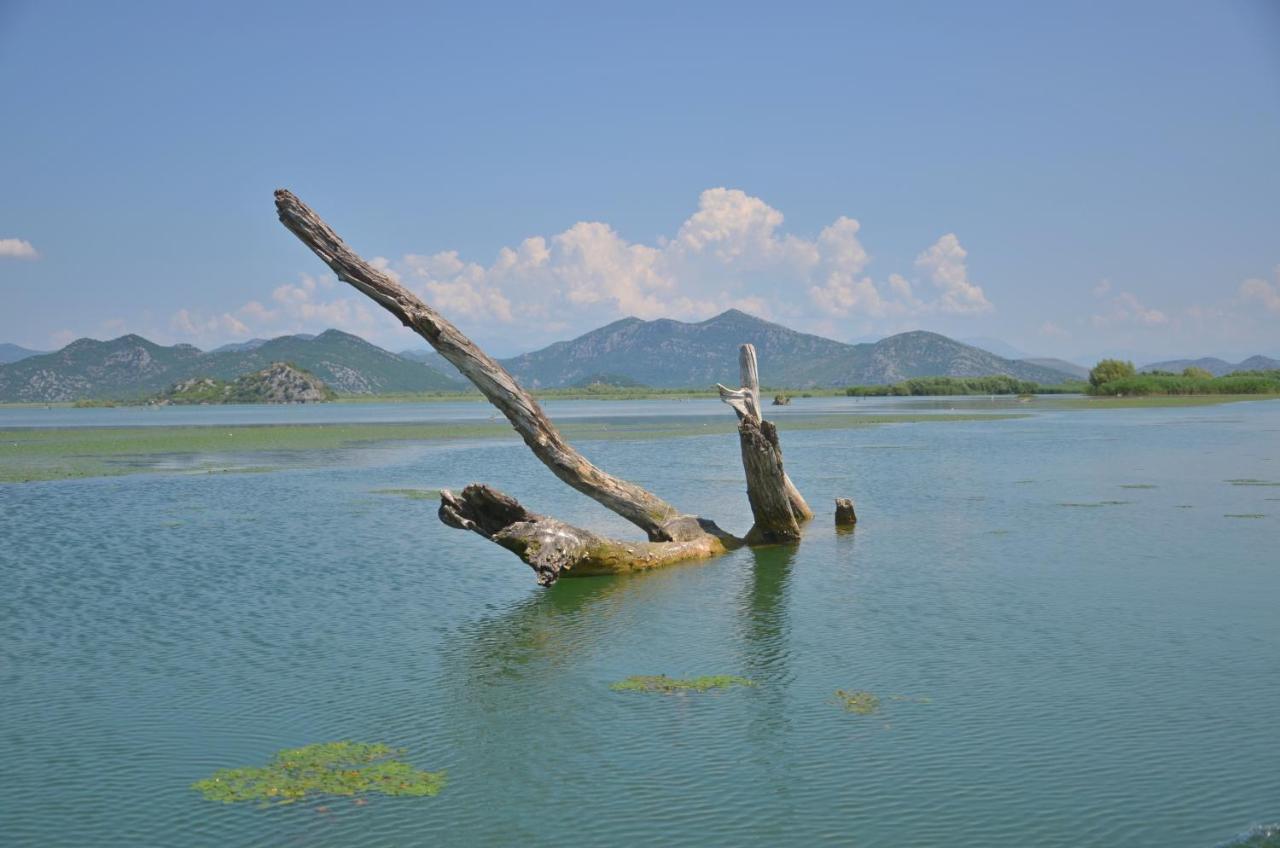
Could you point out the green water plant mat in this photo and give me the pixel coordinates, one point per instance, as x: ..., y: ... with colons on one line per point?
x: 669, y: 685
x: 862, y: 703
x: 328, y: 768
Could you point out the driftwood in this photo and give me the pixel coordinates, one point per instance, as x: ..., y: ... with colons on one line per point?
x: 551, y: 547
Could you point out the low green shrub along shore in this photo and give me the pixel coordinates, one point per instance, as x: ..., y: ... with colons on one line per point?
x: 952, y: 386
x: 1142, y: 385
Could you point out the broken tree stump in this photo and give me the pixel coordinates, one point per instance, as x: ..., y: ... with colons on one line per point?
x: 845, y: 514
x: 776, y: 505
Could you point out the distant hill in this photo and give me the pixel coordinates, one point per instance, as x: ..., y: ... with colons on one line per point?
x: 675, y: 354
x: 1077, y: 371
x: 12, y: 352
x: 1216, y: 367
x: 132, y: 367
x: 279, y: 382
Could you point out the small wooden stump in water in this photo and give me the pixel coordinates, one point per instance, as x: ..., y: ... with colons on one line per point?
x: 845, y: 516
x: 781, y: 400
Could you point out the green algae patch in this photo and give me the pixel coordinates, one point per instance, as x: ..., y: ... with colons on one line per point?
x: 1137, y: 485
x: 1091, y: 504
x: 862, y: 703
x: 411, y: 494
x: 670, y: 685
x: 36, y: 454
x: 328, y: 768
x: 1243, y: 515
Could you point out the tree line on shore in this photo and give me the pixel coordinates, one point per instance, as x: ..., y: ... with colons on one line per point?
x: 1118, y: 378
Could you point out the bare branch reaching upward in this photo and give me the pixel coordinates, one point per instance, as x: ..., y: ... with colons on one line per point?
x: 660, y: 520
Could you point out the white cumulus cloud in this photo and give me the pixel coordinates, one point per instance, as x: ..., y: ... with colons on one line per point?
x: 16, y: 248
x: 731, y: 252
x: 945, y: 264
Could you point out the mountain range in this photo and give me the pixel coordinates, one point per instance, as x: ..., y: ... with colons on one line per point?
x: 1216, y: 367
x: 659, y: 353
x: 664, y: 352
x: 132, y: 367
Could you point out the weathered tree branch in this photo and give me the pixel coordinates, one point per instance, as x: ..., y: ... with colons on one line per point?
x: 660, y: 520
x: 554, y: 549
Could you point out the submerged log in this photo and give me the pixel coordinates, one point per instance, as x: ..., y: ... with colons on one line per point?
x: 552, y: 547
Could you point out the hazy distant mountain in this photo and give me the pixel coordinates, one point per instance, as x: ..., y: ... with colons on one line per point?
x: 131, y: 366
x: 13, y: 353
x: 436, y: 361
x: 1215, y: 366
x: 237, y: 347
x: 254, y: 344
x: 996, y: 346
x: 1078, y: 371
x: 671, y: 353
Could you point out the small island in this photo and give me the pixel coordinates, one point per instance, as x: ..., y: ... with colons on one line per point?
x: 279, y: 382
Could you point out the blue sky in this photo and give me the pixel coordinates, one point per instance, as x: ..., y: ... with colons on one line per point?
x: 1075, y: 179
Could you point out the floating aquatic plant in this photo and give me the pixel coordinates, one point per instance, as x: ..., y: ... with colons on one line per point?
x: 862, y: 703
x: 1095, y: 503
x: 1250, y: 481
x: 328, y: 768
x: 1243, y: 515
x: 411, y: 494
x: 670, y: 685
x: 1137, y: 485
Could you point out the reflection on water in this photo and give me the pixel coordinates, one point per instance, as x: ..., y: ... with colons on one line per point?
x: 1075, y: 676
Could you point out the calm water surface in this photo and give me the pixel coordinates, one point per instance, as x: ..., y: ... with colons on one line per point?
x: 1088, y: 674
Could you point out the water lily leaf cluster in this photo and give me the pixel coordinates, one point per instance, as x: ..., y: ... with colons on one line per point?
x: 328, y: 768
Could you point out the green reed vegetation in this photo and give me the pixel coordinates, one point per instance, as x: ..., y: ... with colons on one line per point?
x: 954, y: 386
x: 1239, y: 383
x: 1118, y: 378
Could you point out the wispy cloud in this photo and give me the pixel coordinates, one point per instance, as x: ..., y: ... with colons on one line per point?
x: 1259, y: 291
x: 1125, y: 308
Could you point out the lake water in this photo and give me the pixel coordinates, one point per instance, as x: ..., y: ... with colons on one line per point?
x: 1079, y: 662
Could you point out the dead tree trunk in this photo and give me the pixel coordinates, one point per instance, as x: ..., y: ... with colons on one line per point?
x: 551, y: 547
x: 776, y: 505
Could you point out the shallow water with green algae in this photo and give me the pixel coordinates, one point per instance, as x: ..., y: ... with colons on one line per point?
x: 1044, y: 675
